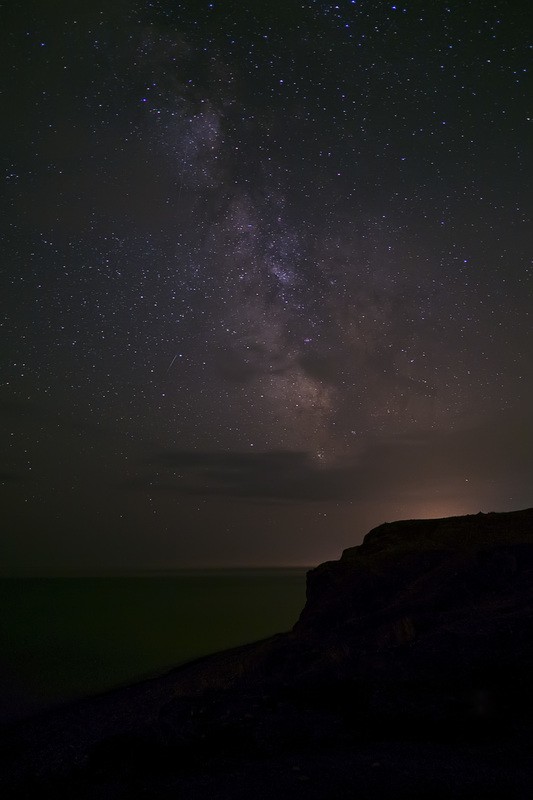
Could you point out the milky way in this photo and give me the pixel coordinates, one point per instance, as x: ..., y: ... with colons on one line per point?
x: 266, y: 275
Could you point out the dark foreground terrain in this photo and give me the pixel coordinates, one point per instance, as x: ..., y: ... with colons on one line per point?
x: 408, y: 675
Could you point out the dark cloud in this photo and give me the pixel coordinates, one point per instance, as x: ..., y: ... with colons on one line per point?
x: 283, y: 476
x: 416, y: 465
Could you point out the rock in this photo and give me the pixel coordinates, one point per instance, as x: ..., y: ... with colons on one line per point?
x: 429, y: 615
x: 416, y: 646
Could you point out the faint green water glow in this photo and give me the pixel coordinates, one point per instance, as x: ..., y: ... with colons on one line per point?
x: 62, y: 638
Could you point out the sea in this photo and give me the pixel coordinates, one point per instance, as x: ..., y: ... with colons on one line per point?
x: 65, y: 638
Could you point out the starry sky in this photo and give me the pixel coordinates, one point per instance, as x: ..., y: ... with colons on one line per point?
x: 266, y: 276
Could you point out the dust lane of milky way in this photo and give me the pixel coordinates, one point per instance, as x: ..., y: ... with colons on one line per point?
x: 266, y: 276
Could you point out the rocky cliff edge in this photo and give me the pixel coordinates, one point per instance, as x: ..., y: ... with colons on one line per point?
x: 414, y: 650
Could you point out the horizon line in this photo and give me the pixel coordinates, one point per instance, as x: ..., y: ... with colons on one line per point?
x: 136, y: 571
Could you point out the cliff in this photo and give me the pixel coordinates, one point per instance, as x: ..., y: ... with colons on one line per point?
x: 407, y: 675
x: 415, y: 586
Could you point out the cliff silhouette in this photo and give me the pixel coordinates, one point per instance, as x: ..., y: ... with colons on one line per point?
x: 408, y: 674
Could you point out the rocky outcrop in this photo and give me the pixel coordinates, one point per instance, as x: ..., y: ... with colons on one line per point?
x: 434, y: 618
x: 427, y: 622
x: 414, y: 650
x: 411, y: 580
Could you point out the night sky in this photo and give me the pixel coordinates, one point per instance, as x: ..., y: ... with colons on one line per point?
x: 266, y: 276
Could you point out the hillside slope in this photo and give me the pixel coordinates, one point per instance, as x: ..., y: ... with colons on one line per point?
x: 408, y: 674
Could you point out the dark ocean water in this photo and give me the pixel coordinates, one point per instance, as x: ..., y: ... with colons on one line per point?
x: 64, y: 638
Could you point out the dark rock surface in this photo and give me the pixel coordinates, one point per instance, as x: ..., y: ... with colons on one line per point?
x: 407, y: 675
